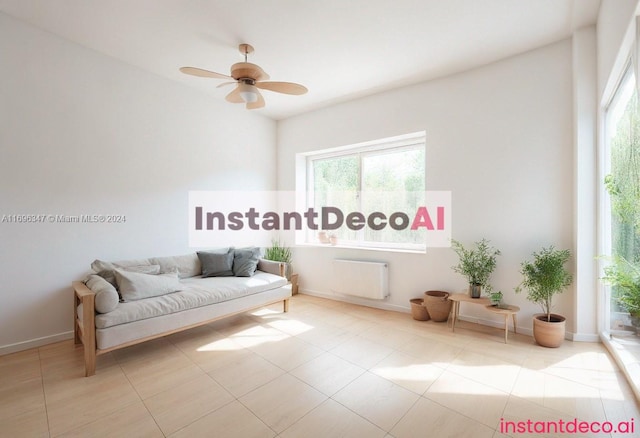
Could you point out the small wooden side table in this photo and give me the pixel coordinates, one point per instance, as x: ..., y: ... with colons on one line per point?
x: 455, y: 308
x: 506, y: 310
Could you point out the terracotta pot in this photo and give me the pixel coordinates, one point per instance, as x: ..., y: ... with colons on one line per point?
x: 549, y: 334
x: 418, y: 311
x: 438, y: 305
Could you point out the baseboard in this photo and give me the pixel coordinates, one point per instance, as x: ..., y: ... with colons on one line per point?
x: 583, y: 337
x: 354, y: 300
x: 34, y: 343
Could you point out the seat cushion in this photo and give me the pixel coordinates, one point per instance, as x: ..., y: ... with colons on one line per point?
x: 198, y: 292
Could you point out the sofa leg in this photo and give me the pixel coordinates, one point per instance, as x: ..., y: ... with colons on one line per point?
x: 89, y: 354
x: 89, y: 363
x: 286, y: 305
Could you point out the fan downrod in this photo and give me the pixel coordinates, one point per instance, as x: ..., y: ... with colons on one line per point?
x: 245, y: 49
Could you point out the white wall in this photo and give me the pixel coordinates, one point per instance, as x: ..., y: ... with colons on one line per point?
x: 615, y: 36
x: 499, y: 137
x: 585, y: 110
x: 81, y: 133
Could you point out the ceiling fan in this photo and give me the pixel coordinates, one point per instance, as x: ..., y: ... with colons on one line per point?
x: 249, y: 78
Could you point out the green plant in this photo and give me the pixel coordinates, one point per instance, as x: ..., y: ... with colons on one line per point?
x: 625, y: 277
x: 495, y: 297
x: 278, y: 252
x: 475, y: 264
x: 545, y: 276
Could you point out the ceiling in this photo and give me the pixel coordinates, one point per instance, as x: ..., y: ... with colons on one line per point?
x: 338, y: 49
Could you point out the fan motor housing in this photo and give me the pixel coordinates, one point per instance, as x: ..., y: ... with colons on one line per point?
x: 241, y: 70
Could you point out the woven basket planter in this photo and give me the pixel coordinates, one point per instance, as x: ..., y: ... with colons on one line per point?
x: 437, y: 304
x: 418, y: 311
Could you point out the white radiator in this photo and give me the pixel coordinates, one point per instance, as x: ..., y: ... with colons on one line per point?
x: 361, y: 279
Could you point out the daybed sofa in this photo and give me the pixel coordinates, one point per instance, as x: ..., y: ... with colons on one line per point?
x: 131, y: 301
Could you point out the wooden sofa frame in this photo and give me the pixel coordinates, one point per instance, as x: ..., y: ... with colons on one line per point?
x: 85, y: 329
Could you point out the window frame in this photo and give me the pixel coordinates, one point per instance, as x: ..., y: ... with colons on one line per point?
x: 406, y: 142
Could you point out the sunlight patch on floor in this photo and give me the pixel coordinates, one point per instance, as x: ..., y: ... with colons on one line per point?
x: 291, y: 326
x: 220, y: 345
x: 409, y: 373
x: 258, y: 335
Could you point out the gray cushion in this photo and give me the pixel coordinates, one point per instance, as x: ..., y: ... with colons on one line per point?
x: 136, y: 285
x: 106, y: 299
x: 245, y: 261
x: 217, y: 262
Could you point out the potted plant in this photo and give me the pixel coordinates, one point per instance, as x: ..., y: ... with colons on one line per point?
x: 476, y: 265
x: 624, y: 276
x: 496, y: 298
x: 280, y: 253
x: 543, y: 278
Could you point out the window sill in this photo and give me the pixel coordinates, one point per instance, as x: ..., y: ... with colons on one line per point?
x: 362, y: 248
x: 624, y: 350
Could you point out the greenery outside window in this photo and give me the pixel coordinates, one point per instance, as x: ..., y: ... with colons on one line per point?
x: 622, y: 185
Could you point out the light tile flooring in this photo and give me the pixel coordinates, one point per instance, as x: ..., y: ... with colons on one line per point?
x: 325, y: 369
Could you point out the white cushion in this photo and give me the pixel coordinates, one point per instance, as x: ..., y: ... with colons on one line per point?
x: 106, y: 269
x: 106, y: 299
x: 188, y: 265
x: 137, y: 285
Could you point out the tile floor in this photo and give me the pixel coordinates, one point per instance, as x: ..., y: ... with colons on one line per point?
x: 325, y: 369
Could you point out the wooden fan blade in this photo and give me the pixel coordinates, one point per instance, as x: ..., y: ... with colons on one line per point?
x: 203, y: 73
x: 257, y: 104
x: 234, y: 96
x: 224, y: 84
x: 283, y: 87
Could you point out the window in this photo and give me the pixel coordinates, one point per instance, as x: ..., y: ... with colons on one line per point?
x: 622, y: 185
x: 382, y: 180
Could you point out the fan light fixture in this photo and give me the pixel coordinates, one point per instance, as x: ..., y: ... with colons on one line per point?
x: 248, y: 92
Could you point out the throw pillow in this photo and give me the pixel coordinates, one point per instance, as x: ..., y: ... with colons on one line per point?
x: 108, y: 270
x: 106, y: 299
x: 188, y: 265
x: 245, y: 261
x: 217, y: 262
x: 136, y: 285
